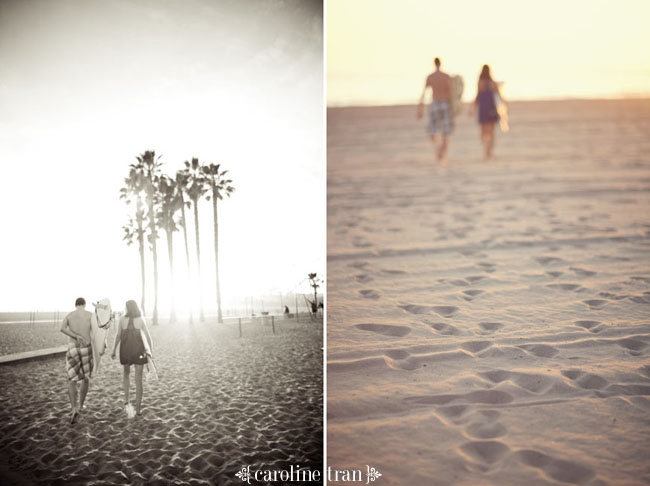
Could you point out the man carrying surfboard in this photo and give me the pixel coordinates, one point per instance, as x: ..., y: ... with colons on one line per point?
x: 79, y: 356
x: 441, y: 119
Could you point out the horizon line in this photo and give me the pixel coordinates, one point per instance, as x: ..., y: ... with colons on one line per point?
x: 631, y: 97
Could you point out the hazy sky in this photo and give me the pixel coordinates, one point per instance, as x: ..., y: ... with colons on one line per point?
x: 85, y: 86
x: 379, y: 51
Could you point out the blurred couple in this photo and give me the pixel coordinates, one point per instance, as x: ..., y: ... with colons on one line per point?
x: 441, y: 115
x: 86, y: 344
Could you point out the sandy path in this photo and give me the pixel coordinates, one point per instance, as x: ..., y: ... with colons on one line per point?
x: 221, y: 403
x: 490, y: 324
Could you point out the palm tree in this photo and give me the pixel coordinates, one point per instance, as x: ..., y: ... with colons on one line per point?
x: 182, y: 182
x: 134, y: 188
x: 313, y: 282
x: 169, y: 205
x: 195, y: 189
x: 220, y: 186
x: 151, y: 171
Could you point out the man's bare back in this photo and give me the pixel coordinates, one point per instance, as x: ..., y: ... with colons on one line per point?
x: 78, y: 322
x: 440, y: 84
x: 441, y: 122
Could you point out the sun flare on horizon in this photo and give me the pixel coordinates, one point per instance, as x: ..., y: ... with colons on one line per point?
x: 583, y: 49
x: 85, y: 90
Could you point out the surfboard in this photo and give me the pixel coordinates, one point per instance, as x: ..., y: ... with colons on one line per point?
x: 152, y: 371
x: 502, y: 110
x: 101, y: 321
x: 456, y: 94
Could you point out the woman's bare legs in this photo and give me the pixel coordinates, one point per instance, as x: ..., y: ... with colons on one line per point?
x: 127, y: 371
x: 138, y: 388
x: 487, y: 136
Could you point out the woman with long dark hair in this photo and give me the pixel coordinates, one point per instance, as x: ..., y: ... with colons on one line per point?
x: 130, y: 337
x: 487, y: 109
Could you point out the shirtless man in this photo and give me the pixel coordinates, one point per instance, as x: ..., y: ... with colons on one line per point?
x: 79, y: 357
x: 441, y: 120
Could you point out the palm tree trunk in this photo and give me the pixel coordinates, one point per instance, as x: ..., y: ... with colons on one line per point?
x: 154, y: 248
x: 170, y: 251
x: 216, y: 253
x: 198, y: 259
x: 187, y: 248
x: 139, y: 214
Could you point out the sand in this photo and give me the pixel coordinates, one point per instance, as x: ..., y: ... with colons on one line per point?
x: 19, y: 338
x: 221, y: 403
x: 490, y: 323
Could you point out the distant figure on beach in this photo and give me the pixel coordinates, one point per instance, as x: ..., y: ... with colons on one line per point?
x: 79, y: 356
x: 486, y: 104
x: 131, y: 336
x: 286, y: 311
x: 441, y: 119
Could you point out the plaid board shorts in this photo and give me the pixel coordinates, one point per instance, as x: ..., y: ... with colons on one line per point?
x: 441, y: 119
x: 78, y: 361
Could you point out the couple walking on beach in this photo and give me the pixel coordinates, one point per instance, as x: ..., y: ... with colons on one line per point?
x: 441, y: 116
x: 130, y: 337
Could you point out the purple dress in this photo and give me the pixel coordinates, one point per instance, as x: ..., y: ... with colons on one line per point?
x: 487, y: 108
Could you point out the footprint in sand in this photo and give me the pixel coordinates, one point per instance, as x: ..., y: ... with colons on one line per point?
x: 587, y: 381
x: 490, y: 326
x: 361, y: 243
x: 632, y: 344
x: 581, y: 272
x: 416, y: 309
x: 443, y: 310
x: 555, y: 274
x: 444, y: 329
x: 370, y: 294
x: 399, y: 359
x: 486, y: 266
x: 645, y: 370
x: 393, y: 272
x: 490, y: 415
x: 595, y: 304
x: 459, y: 283
x: 485, y: 451
x: 533, y: 382
x: 548, y: 260
x: 452, y: 412
x: 486, y: 430
x: 385, y: 329
x: 474, y: 278
x: 641, y: 299
x: 540, y: 350
x: 609, y: 295
x: 591, y: 326
x: 363, y: 278
x: 475, y: 346
x: 359, y: 265
x: 471, y: 294
x: 496, y: 376
x: 567, y: 287
x: 557, y: 469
